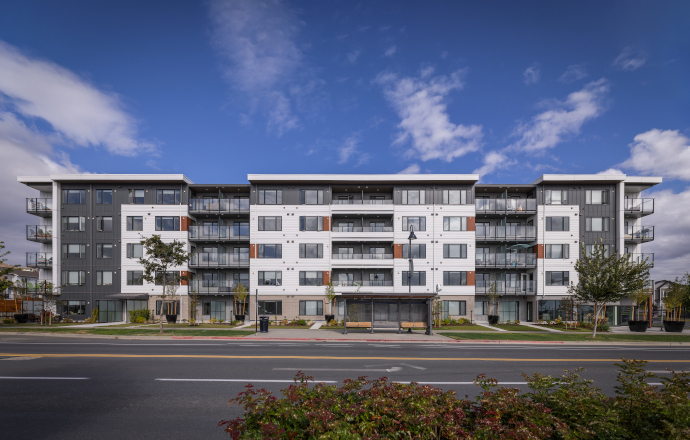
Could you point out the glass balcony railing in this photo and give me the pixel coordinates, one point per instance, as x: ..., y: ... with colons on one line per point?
x: 516, y: 287
x: 640, y: 258
x: 362, y: 229
x: 212, y: 259
x: 41, y: 207
x: 40, y: 288
x: 218, y: 232
x: 366, y: 283
x: 201, y: 287
x: 506, y: 205
x: 362, y: 256
x: 522, y: 233
x: 361, y: 202
x: 39, y: 259
x: 506, y: 260
x: 640, y: 234
x: 219, y: 205
x: 39, y: 233
x: 639, y: 206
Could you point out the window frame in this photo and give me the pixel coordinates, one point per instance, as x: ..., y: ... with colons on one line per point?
x: 303, y: 196
x: 461, y: 274
x: 81, y: 223
x: 303, y: 250
x: 100, y: 251
x: 565, y: 251
x: 67, y: 193
x: 446, y: 197
x: 303, y: 223
x: 100, y: 281
x: 447, y: 223
x: 100, y: 198
x: 565, y: 275
x: 277, y: 250
x: 565, y: 224
x: 130, y: 222
x: 303, y: 307
x: 603, y: 197
x: 278, y: 196
x: 161, y: 218
x: 66, y: 252
x: 463, y: 250
x: 132, y: 197
x: 102, y: 222
x: 415, y: 273
x: 421, y: 220
x: 420, y: 195
x: 605, y: 224
x: 277, y: 275
x: 161, y: 196
x: 130, y: 250
x: 420, y: 254
x: 278, y: 223
x: 81, y: 275
x: 278, y: 303
x: 316, y: 280
x: 563, y: 196
x: 131, y: 278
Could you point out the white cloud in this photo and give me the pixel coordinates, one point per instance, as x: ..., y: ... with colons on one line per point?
x: 672, y: 233
x: 630, y: 59
x: 348, y: 148
x: 494, y: 161
x: 611, y: 171
x: 391, y: 51
x: 444, y: 54
x: 412, y: 169
x: 532, y: 74
x: 352, y: 56
x: 384, y: 28
x: 661, y: 152
x: 573, y: 73
x: 363, y: 28
x: 420, y: 104
x: 79, y: 113
x: 549, y: 128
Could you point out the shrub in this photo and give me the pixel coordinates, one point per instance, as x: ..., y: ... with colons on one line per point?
x: 603, y: 327
x: 90, y: 320
x: 301, y: 322
x: 144, y: 314
x: 221, y: 321
x: 463, y: 321
x: 516, y: 322
x: 139, y: 320
x: 8, y: 320
x: 213, y: 320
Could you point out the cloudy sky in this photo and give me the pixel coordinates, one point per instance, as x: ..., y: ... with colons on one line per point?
x: 219, y: 89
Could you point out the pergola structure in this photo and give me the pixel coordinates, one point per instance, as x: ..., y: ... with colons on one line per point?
x: 388, y: 310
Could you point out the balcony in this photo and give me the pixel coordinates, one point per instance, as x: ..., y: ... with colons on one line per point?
x: 506, y: 233
x: 362, y: 206
x: 39, y: 259
x: 40, y: 207
x: 507, y: 287
x: 363, y: 233
x: 506, y: 261
x: 214, y: 287
x: 640, y: 258
x: 638, y: 207
x: 218, y: 233
x: 641, y: 234
x: 362, y: 260
x: 218, y: 206
x: 39, y: 233
x: 40, y: 288
x: 505, y: 206
x: 361, y: 202
x: 218, y: 260
x: 364, y: 283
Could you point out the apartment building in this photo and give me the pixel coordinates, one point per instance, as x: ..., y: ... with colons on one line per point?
x: 285, y: 237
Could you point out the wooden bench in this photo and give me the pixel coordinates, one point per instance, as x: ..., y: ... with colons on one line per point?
x: 413, y: 325
x: 358, y: 324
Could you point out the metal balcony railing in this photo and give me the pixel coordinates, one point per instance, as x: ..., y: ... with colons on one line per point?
x: 506, y: 260
x: 212, y: 259
x: 218, y: 233
x: 40, y: 288
x: 640, y: 234
x: 202, y: 287
x: 366, y: 283
x: 39, y: 259
x: 640, y: 258
x: 514, y: 206
x: 219, y: 205
x: 39, y: 233
x: 361, y: 202
x: 639, y: 206
x: 506, y: 233
x: 362, y: 256
x: 40, y: 207
x: 508, y: 287
x: 362, y: 229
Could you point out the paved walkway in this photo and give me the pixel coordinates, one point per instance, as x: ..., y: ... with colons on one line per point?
x: 356, y: 334
x: 483, y: 324
x: 541, y: 327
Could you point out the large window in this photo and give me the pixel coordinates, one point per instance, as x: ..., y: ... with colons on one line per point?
x: 171, y: 278
x: 104, y: 278
x: 73, y: 250
x: 135, y: 278
x: 73, y: 277
x: 311, y: 197
x: 270, y: 197
x: 413, y: 197
x: 597, y: 224
x: 72, y: 224
x: 454, y: 251
x: 454, y: 223
x: 136, y: 196
x: 454, y: 278
x: 418, y: 223
x: 270, y: 278
x: 557, y: 278
x: 135, y: 223
x: 311, y: 250
x: 135, y: 250
x: 104, y: 224
x: 104, y: 196
x: 270, y: 308
x: 418, y: 278
x: 74, y: 196
x: 453, y: 308
x: 311, y: 223
x: 556, y: 197
x: 418, y: 251
x: 74, y: 307
x: 454, y: 197
x: 548, y: 310
x: 596, y: 197
x: 270, y: 250
x: 557, y: 223
x: 310, y: 278
x: 270, y: 223
x: 557, y: 251
x: 168, y: 196
x: 104, y: 250
x: 310, y: 308
x: 167, y: 223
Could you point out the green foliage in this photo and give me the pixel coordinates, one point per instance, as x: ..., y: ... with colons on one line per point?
x: 329, y: 294
x: 241, y: 294
x: 8, y: 320
x: 139, y: 316
x: 678, y: 293
x: 5, y: 283
x: 301, y: 322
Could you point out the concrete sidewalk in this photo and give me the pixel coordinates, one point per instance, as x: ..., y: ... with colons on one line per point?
x: 352, y: 334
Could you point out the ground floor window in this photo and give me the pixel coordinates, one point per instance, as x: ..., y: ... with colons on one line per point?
x: 548, y: 310
x: 218, y: 310
x: 109, y: 311
x: 206, y: 308
x: 73, y: 307
x: 312, y: 308
x: 507, y: 310
x: 452, y: 308
x: 168, y: 307
x: 271, y: 308
x: 530, y: 318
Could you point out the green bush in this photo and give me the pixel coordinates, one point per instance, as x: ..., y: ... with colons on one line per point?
x: 8, y: 320
x: 139, y: 316
x: 301, y: 322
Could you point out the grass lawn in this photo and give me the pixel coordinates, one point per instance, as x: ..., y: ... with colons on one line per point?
x: 569, y: 329
x: 130, y: 331
x: 544, y: 336
x: 517, y: 328
x: 194, y: 327
x: 465, y: 327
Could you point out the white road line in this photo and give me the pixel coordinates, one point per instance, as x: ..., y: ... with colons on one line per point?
x: 413, y: 366
x: 334, y: 345
x: 239, y: 380
x: 43, y: 378
x: 387, y: 370
x: 384, y: 345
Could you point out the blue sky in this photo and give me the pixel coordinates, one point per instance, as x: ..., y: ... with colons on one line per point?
x: 216, y: 90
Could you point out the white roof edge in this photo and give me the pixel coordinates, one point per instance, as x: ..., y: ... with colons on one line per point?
x: 103, y: 177
x: 362, y: 177
x: 653, y: 180
x: 579, y: 177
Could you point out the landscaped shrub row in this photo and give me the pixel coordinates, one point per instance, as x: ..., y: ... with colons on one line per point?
x: 568, y: 407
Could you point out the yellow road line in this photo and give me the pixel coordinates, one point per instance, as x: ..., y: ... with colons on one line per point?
x: 385, y: 358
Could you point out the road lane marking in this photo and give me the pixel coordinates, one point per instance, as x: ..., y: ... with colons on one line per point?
x: 44, y: 378
x: 240, y: 380
x: 413, y: 366
x: 388, y: 370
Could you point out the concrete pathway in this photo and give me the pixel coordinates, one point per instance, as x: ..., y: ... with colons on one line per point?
x: 317, y: 325
x: 491, y: 327
x: 540, y: 327
x: 100, y: 324
x: 245, y: 325
x: 355, y: 334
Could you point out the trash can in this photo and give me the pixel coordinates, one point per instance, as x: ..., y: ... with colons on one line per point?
x: 263, y: 324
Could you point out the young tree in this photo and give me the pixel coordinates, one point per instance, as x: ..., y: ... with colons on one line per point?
x: 159, y: 258
x: 493, y: 295
x: 639, y: 298
x: 677, y: 295
x: 240, y: 297
x: 605, y: 279
x: 329, y: 294
x: 5, y: 282
x: 569, y: 306
x: 193, y: 305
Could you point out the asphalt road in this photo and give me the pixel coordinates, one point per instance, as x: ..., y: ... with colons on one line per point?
x: 55, y: 388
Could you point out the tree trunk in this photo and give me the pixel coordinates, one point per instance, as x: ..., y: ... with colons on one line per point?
x: 596, y: 319
x: 163, y: 305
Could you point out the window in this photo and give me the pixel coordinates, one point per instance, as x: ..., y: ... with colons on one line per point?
x: 270, y: 223
x: 104, y: 250
x: 418, y: 278
x: 270, y: 250
x: 454, y: 197
x: 311, y: 308
x: 74, y: 307
x: 136, y: 196
x: 168, y: 196
x: 311, y: 278
x: 454, y: 308
x: 104, y: 196
x: 311, y: 197
x: 73, y: 277
x: 270, y: 308
x: 104, y: 278
x: 74, y: 196
x: 73, y: 250
x: 418, y: 223
x: 597, y: 224
x: 135, y: 250
x: 454, y: 278
x: 171, y: 278
x: 167, y: 223
x: 418, y: 251
x: 589, y: 248
x: 311, y: 223
x: 135, y: 223
x: 454, y: 251
x: 310, y: 250
x: 206, y: 308
x: 557, y: 223
x: 104, y: 224
x: 73, y: 224
x: 270, y: 197
x: 597, y: 197
x: 454, y: 223
x: 169, y: 307
x: 557, y: 278
x: 272, y: 278
x: 413, y: 197
x: 135, y: 278
x: 556, y: 251
x: 556, y: 197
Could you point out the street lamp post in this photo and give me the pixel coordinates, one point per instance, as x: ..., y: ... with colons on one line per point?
x: 409, y: 254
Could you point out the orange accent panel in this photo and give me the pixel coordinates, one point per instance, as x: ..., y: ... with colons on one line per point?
x: 397, y: 251
x: 326, y: 277
x: 183, y: 274
x: 470, y: 223
x: 539, y: 250
x: 252, y: 251
x: 470, y: 278
x: 326, y: 223
x: 185, y: 223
